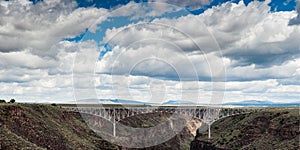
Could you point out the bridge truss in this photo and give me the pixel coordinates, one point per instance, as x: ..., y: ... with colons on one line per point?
x: 207, y: 115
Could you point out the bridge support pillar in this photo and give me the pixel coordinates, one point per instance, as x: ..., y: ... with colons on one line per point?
x: 114, y: 129
x: 209, y: 131
x: 114, y: 122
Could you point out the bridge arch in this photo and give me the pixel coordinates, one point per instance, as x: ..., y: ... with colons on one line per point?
x: 116, y: 114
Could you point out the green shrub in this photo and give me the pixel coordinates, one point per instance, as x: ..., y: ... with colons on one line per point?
x: 240, y: 135
x: 241, y: 117
x: 2, y: 101
x: 12, y: 101
x: 221, y: 142
x: 282, y: 121
x: 263, y: 130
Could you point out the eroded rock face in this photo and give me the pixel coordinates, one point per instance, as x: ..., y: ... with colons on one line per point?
x: 180, y: 140
x: 193, y: 125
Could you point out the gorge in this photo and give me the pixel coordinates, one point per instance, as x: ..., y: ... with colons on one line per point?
x: 41, y: 126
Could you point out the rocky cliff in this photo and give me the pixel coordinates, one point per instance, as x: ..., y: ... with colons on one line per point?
x: 32, y: 126
x: 272, y: 128
x: 28, y: 126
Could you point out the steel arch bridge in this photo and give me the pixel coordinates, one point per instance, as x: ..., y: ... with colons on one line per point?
x: 207, y: 115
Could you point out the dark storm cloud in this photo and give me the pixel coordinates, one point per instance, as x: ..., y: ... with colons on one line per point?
x: 267, y: 54
x: 261, y: 60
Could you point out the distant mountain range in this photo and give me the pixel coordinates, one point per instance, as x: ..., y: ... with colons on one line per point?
x: 178, y: 102
x: 110, y: 101
x: 170, y: 102
x: 120, y: 101
x: 258, y: 103
x: 262, y: 103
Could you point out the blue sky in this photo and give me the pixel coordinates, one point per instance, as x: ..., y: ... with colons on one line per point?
x: 275, y: 5
x: 207, y: 51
